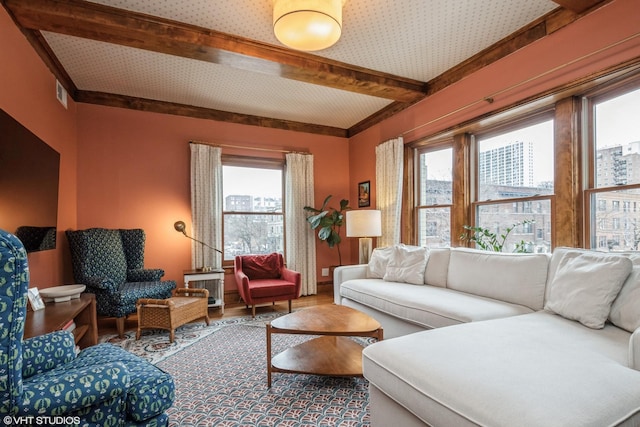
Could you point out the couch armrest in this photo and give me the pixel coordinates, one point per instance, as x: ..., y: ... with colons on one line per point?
x: 292, y: 276
x: 634, y: 350
x: 346, y: 272
x: 144, y: 274
x: 74, y: 389
x: 45, y: 352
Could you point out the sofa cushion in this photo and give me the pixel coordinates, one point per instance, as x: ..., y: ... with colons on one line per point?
x: 407, y: 265
x: 378, y: 263
x: 261, y: 266
x: 625, y: 310
x: 428, y: 306
x: 534, y: 370
x: 585, y: 286
x: 268, y: 288
x: 515, y: 278
x: 437, y: 267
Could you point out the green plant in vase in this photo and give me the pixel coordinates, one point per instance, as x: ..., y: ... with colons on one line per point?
x: 328, y: 221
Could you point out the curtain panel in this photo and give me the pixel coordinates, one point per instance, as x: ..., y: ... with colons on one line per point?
x: 300, y: 244
x: 389, y: 170
x: 206, y: 204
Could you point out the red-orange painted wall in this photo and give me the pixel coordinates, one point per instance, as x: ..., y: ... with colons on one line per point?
x: 604, y: 38
x: 133, y: 170
x: 28, y: 94
x: 126, y: 168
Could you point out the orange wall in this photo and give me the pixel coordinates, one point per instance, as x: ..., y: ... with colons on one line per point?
x: 133, y: 170
x: 122, y: 168
x: 28, y: 94
x: 587, y: 38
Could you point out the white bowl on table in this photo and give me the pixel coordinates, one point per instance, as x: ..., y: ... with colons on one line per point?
x: 62, y: 293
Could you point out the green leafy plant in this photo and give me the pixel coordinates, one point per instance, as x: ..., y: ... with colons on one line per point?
x: 328, y: 221
x: 490, y: 241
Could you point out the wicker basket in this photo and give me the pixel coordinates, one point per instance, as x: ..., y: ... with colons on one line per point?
x: 185, y: 306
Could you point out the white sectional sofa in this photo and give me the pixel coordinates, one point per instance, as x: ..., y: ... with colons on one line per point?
x: 491, y: 339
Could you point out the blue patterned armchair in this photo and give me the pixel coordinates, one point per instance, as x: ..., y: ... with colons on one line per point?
x: 44, y: 382
x: 110, y: 263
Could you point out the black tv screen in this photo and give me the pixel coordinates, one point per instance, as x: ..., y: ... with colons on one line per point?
x: 29, y: 174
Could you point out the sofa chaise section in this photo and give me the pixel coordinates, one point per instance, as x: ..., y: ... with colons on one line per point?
x: 535, y: 370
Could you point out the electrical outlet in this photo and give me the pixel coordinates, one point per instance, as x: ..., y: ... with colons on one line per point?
x: 325, y: 272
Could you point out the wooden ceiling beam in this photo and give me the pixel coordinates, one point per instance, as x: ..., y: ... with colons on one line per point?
x: 117, y: 26
x: 577, y: 6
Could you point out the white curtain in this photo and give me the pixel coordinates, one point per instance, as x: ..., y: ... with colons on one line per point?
x: 389, y: 169
x: 300, y: 240
x: 206, y: 204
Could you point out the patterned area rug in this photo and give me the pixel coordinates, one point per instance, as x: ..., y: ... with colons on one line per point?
x: 221, y: 379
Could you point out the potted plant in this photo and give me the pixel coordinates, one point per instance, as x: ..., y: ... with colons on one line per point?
x: 328, y: 221
x: 490, y: 241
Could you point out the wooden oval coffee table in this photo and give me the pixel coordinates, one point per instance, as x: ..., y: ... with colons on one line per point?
x: 333, y: 353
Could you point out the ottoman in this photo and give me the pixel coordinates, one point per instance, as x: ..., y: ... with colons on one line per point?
x: 183, y: 307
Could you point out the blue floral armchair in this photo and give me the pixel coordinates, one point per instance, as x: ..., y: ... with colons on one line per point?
x: 44, y: 382
x: 110, y: 262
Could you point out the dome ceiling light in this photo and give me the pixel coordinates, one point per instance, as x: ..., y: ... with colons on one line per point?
x: 307, y: 25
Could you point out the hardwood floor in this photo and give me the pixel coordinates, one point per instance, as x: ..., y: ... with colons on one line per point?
x: 231, y: 309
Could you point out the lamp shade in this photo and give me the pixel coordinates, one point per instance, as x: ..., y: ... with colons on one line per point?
x: 307, y: 24
x: 364, y: 223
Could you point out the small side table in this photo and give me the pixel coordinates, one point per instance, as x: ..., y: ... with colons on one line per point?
x: 216, y: 291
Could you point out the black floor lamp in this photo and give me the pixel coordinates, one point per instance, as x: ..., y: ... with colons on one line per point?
x: 181, y: 227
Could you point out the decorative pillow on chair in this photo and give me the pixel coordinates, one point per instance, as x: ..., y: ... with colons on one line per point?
x: 261, y: 266
x: 585, y: 286
x: 378, y: 263
x: 407, y: 265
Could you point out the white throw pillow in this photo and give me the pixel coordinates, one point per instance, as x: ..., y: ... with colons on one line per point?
x: 585, y: 286
x: 378, y: 263
x: 625, y: 311
x: 407, y: 265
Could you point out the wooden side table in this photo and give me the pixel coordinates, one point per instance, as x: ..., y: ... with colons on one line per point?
x: 216, y: 292
x: 56, y: 315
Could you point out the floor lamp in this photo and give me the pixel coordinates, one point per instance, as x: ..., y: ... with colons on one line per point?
x: 364, y: 224
x: 181, y: 227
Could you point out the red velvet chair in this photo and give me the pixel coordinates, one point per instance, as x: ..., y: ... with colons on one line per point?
x: 264, y: 278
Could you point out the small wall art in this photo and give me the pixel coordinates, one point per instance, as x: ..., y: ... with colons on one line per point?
x: 364, y: 189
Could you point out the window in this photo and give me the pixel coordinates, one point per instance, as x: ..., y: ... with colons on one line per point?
x: 615, y: 177
x: 515, y: 181
x: 434, y: 197
x: 253, y: 208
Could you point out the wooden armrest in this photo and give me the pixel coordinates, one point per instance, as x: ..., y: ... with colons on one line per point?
x: 151, y: 301
x: 204, y: 293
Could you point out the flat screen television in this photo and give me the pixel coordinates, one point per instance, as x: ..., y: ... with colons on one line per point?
x: 29, y: 174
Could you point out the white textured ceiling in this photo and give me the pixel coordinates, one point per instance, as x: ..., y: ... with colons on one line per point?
x: 417, y: 39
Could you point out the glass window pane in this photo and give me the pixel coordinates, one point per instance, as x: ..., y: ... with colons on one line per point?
x: 532, y: 237
x: 617, y: 140
x: 616, y: 229
x: 256, y: 194
x: 517, y: 163
x: 434, y: 227
x: 436, y: 186
x: 248, y: 189
x: 252, y: 234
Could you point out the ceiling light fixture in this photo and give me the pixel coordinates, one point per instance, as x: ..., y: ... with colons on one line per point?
x: 307, y: 24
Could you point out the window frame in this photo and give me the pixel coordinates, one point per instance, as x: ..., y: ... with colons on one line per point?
x: 257, y: 163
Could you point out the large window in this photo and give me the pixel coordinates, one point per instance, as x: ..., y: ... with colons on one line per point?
x: 614, y: 185
x: 253, y: 208
x: 434, y: 197
x: 515, y: 183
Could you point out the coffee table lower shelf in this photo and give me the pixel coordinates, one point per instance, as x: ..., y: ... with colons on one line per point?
x: 326, y: 355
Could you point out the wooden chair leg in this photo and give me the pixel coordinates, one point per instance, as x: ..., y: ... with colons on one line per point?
x: 120, y: 326
x: 289, y: 306
x: 253, y: 311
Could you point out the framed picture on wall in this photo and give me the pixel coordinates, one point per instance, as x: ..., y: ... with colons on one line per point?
x: 35, y: 299
x: 364, y: 189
